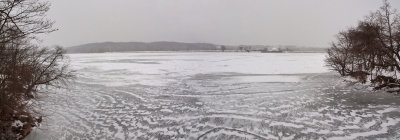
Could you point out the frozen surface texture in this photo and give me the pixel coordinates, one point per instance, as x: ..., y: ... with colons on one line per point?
x: 214, y: 96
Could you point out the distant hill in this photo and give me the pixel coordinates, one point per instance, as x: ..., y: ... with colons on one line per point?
x: 140, y: 46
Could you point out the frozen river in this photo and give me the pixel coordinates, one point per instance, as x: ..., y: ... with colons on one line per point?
x: 214, y: 96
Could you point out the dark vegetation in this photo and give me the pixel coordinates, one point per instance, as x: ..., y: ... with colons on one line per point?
x: 140, y: 46
x: 370, y: 51
x: 24, y: 66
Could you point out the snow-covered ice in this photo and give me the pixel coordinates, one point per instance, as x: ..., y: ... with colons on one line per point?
x: 214, y: 96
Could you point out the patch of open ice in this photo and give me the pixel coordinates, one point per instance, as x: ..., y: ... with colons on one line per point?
x: 132, y: 94
x: 286, y: 124
x: 166, y: 110
x: 386, y: 110
x: 264, y: 79
x: 199, y: 103
x: 369, y: 124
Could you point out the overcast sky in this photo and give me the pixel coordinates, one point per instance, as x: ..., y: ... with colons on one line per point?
x: 231, y: 22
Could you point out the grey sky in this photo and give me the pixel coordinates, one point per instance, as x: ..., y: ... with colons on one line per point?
x: 269, y: 22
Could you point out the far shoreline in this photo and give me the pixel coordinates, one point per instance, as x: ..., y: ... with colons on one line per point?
x: 203, y: 51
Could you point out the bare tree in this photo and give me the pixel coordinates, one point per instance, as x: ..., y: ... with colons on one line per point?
x: 24, y: 67
x: 337, y: 59
x: 370, y: 49
x: 388, y: 22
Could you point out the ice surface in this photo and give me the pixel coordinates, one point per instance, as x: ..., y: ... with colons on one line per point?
x: 116, y: 69
x: 214, y: 96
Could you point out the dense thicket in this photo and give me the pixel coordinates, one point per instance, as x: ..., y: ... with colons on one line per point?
x: 370, y: 51
x: 25, y: 67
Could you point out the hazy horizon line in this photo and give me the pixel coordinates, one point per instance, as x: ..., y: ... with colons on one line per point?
x: 274, y: 45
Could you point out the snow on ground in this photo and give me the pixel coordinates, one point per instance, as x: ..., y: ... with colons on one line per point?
x: 214, y: 96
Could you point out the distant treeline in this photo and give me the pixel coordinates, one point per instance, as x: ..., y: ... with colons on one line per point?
x: 175, y: 46
x: 139, y: 46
